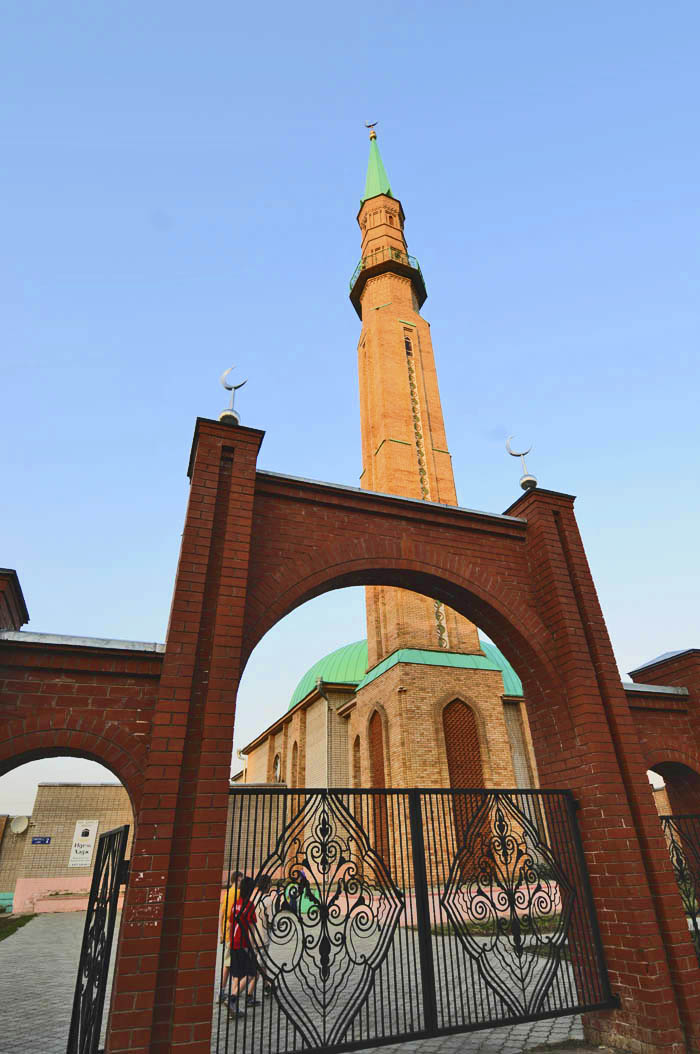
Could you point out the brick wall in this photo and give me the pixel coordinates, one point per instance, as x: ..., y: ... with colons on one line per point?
x: 11, y: 852
x: 316, y: 744
x: 90, y: 701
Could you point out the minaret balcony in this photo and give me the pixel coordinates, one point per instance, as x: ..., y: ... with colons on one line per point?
x: 379, y: 262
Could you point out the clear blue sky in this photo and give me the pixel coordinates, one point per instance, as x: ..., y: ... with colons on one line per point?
x: 180, y: 189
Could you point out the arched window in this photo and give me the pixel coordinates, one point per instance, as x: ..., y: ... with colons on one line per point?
x: 376, y: 751
x: 295, y: 765
x: 277, y: 769
x: 463, y: 759
x: 462, y: 745
x: 378, y: 779
x: 356, y: 770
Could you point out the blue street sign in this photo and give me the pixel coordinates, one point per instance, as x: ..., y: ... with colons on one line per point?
x: 41, y: 841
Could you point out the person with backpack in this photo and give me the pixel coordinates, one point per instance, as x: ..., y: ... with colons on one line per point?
x: 229, y: 895
x: 243, y: 965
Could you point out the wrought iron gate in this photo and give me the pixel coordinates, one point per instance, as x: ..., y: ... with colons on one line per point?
x: 109, y: 873
x: 388, y: 915
x: 683, y: 838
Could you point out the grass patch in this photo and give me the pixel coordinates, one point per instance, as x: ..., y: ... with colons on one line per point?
x: 10, y: 923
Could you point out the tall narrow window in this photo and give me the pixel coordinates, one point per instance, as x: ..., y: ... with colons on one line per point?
x: 462, y: 743
x: 379, y: 803
x: 407, y: 344
x: 463, y: 759
x: 356, y: 770
x: 295, y: 765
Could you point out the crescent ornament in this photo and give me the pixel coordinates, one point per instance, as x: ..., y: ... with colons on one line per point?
x: 514, y: 453
x: 231, y: 387
x: 527, y: 480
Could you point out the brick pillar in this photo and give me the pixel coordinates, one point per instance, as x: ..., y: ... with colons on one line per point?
x: 590, y: 744
x: 162, y: 1000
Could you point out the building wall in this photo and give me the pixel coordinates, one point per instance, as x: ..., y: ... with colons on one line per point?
x: 338, y: 759
x: 11, y: 853
x: 316, y: 744
x: 256, y: 764
x: 411, y: 699
x: 255, y: 823
x: 44, y: 881
x: 524, y: 766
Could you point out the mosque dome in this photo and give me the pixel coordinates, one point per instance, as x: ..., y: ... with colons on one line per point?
x: 348, y: 665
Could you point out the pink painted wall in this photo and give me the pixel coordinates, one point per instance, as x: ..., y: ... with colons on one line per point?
x: 34, y: 894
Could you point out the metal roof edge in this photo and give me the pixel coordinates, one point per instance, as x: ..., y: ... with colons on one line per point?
x: 663, y: 658
x: 657, y: 689
x: 29, y: 637
x: 393, y: 497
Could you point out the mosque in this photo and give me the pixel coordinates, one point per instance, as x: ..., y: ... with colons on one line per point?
x: 353, y: 716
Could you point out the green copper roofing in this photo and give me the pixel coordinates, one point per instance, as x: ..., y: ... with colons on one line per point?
x: 377, y: 181
x: 348, y: 665
x: 492, y: 659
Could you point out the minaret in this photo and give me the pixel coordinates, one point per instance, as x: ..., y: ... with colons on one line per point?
x: 404, y: 447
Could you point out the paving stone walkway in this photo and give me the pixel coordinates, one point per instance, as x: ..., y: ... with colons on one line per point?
x: 38, y: 965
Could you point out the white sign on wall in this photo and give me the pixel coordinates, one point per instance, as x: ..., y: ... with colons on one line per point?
x: 83, y: 843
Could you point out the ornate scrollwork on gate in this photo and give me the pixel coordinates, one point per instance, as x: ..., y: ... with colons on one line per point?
x: 327, y: 921
x: 510, y: 904
x: 683, y: 839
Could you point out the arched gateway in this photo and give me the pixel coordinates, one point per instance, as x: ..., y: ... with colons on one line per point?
x: 255, y: 546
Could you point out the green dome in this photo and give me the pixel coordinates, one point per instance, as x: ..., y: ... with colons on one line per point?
x: 348, y: 665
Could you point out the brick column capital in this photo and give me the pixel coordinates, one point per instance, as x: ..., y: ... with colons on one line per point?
x: 534, y: 501
x: 215, y: 432
x: 13, y: 610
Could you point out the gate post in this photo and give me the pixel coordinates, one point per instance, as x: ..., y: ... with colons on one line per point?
x: 589, y: 743
x: 425, y: 938
x: 164, y: 979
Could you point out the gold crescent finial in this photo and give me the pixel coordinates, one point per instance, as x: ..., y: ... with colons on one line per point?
x: 372, y: 133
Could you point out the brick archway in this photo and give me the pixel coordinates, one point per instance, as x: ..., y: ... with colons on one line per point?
x: 81, y: 737
x: 254, y: 547
x: 680, y: 769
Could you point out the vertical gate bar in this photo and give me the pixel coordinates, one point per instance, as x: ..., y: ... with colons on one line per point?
x: 425, y: 944
x: 571, y: 807
x: 111, y: 848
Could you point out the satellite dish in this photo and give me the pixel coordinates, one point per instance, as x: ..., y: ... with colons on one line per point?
x: 19, y: 824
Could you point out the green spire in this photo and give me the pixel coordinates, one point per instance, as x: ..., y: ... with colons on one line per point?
x: 377, y: 181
